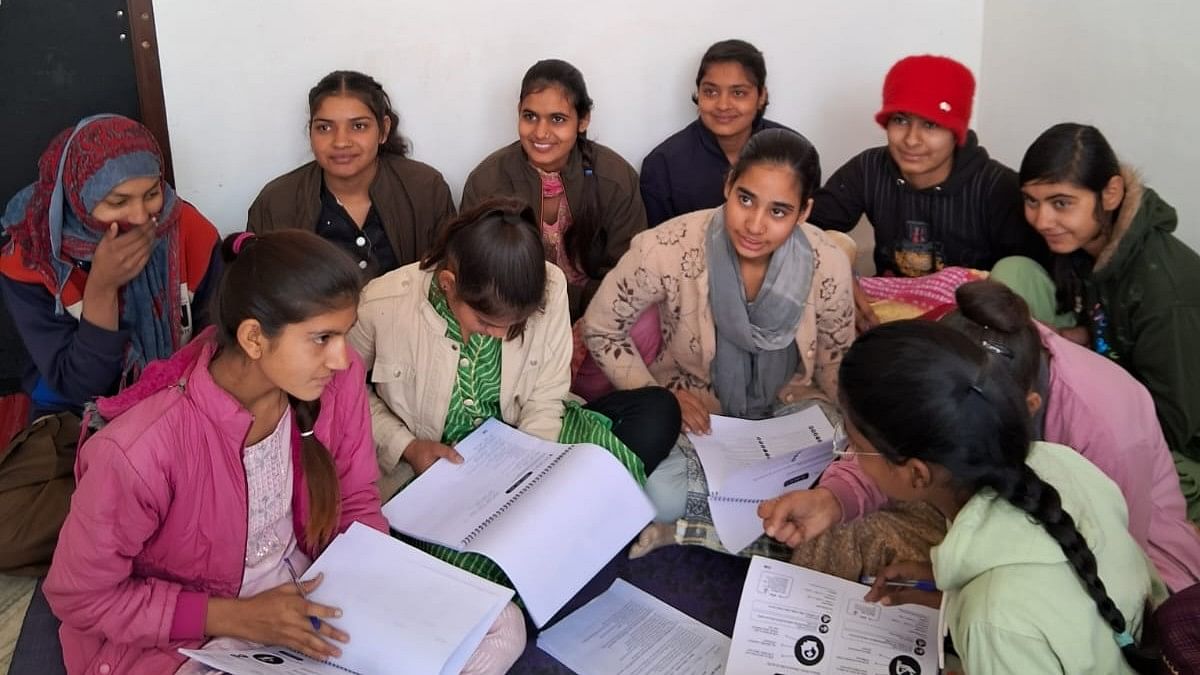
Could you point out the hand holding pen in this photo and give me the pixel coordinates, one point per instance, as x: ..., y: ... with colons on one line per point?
x: 280, y: 616
x: 904, y: 583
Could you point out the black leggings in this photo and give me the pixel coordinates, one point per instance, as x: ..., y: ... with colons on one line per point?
x: 647, y: 420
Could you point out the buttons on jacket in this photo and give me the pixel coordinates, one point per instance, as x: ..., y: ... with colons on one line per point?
x: 105, y: 669
x: 361, y: 241
x: 362, y: 264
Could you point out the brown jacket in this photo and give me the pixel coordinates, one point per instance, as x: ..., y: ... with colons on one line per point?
x: 507, y: 172
x: 412, y: 199
x: 668, y: 266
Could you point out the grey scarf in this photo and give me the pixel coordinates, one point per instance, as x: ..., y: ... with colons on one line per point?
x: 756, y: 342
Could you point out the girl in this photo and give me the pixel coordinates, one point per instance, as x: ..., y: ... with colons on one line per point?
x: 586, y: 195
x: 1120, y: 273
x: 970, y: 456
x: 479, y: 329
x: 242, y: 455
x: 107, y: 268
x: 933, y: 195
x: 687, y: 171
x: 1077, y: 400
x: 756, y: 304
x: 362, y: 191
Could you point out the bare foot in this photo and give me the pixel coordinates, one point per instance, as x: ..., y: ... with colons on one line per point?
x: 655, y: 535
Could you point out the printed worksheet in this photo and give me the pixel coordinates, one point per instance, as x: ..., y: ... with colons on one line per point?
x: 795, y: 620
x: 627, y: 631
x: 263, y: 661
x: 735, y: 445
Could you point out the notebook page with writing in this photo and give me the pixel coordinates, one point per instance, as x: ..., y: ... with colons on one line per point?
x: 736, y: 444
x: 449, y: 502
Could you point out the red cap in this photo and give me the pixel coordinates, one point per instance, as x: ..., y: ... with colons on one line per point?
x: 937, y: 88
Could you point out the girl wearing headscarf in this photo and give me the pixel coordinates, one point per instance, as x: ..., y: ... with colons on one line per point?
x: 105, y: 268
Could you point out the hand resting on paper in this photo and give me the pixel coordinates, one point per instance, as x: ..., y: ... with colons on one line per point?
x: 421, y: 454
x: 799, y: 516
x: 279, y: 616
x: 695, y: 415
x: 886, y: 594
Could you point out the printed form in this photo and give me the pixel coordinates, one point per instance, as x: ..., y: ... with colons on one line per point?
x: 795, y: 620
x: 626, y: 631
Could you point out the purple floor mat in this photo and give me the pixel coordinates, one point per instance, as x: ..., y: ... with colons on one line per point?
x: 701, y: 583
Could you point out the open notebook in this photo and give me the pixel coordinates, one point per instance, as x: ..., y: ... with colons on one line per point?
x: 405, y: 612
x: 748, y: 461
x: 550, y: 515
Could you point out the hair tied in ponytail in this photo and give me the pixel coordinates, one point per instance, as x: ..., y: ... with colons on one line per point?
x: 240, y: 241
x: 306, y: 434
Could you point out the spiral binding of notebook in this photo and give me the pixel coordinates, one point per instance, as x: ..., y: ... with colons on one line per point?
x: 466, y: 541
x: 762, y: 445
x: 733, y: 500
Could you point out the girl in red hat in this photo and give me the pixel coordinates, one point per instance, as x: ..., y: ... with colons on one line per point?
x: 933, y: 195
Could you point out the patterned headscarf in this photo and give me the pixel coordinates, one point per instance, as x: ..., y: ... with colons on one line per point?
x: 52, y: 228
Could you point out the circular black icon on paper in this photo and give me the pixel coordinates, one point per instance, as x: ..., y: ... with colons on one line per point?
x: 823, y: 628
x: 920, y: 642
x: 904, y: 665
x: 825, y: 618
x: 269, y: 658
x: 810, y: 650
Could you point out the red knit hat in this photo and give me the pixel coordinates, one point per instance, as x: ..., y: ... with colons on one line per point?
x: 937, y: 88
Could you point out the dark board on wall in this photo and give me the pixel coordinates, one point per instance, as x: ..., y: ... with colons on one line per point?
x: 60, y: 60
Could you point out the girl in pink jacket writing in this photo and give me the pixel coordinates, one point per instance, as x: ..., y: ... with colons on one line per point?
x: 245, y: 453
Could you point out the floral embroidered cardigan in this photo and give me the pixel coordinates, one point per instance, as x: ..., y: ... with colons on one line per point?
x: 668, y: 266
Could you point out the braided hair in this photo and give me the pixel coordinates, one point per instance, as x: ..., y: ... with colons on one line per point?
x: 976, y: 425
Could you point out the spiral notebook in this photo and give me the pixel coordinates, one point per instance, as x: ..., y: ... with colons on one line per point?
x: 748, y: 461
x: 550, y: 515
x: 406, y: 612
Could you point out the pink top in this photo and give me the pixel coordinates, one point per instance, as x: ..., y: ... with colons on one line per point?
x: 159, y: 520
x: 1098, y: 409
x: 553, y: 233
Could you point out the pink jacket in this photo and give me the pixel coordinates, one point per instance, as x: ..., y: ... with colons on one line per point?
x: 158, y: 520
x: 1098, y: 409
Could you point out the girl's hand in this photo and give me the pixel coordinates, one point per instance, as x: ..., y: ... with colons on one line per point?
x: 889, y: 595
x: 421, y: 454
x: 864, y: 315
x: 693, y: 412
x: 800, y: 516
x: 280, y: 616
x: 120, y: 257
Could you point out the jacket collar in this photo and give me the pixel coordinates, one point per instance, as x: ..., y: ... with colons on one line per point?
x: 1130, y: 205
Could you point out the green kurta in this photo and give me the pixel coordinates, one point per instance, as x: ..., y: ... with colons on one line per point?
x: 476, y: 397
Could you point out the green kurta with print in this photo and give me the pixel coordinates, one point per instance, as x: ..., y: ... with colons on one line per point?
x: 476, y: 397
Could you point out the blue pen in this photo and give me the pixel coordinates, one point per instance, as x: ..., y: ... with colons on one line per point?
x: 316, y: 623
x: 919, y: 584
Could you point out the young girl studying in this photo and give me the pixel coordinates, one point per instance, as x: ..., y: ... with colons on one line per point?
x: 224, y: 469
x: 477, y: 330
x: 934, y: 416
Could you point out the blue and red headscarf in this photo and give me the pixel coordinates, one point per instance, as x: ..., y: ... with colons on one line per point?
x: 52, y: 230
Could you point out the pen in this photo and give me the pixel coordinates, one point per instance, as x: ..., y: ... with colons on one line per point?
x: 316, y: 623
x: 919, y: 584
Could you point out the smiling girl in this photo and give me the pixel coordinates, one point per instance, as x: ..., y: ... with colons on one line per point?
x: 585, y: 194
x: 756, y: 304
x: 687, y: 171
x: 1120, y: 274
x: 361, y: 191
x: 932, y: 194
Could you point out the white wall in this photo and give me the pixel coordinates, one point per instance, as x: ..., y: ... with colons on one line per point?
x: 236, y: 74
x: 1131, y: 69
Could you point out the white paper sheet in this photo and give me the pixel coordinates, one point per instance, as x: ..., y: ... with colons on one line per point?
x: 551, y: 515
x: 795, y: 620
x: 262, y: 661
x: 628, y: 631
x: 737, y: 444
